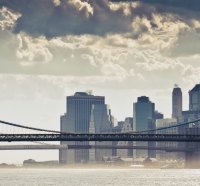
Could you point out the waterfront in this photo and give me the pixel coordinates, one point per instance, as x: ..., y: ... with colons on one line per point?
x: 97, y: 177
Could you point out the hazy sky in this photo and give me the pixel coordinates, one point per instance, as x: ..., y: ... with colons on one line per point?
x: 51, y: 48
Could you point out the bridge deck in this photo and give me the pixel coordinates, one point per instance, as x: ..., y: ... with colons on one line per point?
x: 70, y: 147
x: 99, y: 137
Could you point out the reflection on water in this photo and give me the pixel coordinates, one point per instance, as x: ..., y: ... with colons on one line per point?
x: 83, y: 177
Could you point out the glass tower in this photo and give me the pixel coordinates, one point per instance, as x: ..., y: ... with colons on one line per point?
x: 143, y: 119
x: 77, y: 120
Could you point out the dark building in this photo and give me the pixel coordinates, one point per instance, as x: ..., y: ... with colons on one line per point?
x: 100, y: 122
x: 77, y: 120
x: 143, y: 119
x: 143, y: 111
x: 177, y: 103
x: 158, y: 115
x: 194, y: 105
x: 127, y: 126
x: 194, y: 98
x: 192, y: 114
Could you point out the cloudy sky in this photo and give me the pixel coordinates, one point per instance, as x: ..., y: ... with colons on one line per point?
x: 121, y: 49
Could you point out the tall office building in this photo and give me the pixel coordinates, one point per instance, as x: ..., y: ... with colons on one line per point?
x: 127, y: 127
x: 158, y: 115
x: 192, y: 114
x: 162, y: 155
x: 100, y: 122
x: 194, y: 105
x: 77, y: 120
x: 194, y: 98
x: 177, y: 103
x: 143, y: 119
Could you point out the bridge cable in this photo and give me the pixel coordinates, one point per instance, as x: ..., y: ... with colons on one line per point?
x: 168, y: 127
x: 59, y: 132
x: 26, y: 127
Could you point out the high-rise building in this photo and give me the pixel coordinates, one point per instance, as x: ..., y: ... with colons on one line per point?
x: 100, y: 122
x: 126, y: 127
x: 143, y: 119
x: 194, y: 105
x: 158, y: 115
x: 177, y: 103
x: 77, y: 120
x: 192, y: 114
x: 194, y: 98
x: 162, y: 155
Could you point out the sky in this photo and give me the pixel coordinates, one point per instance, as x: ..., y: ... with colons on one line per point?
x: 50, y: 49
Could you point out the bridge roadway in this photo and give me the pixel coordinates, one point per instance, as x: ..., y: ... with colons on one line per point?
x: 100, y: 137
x: 167, y: 149
x: 33, y: 147
x: 65, y: 147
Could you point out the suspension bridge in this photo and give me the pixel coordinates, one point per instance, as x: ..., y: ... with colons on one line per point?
x: 190, y: 133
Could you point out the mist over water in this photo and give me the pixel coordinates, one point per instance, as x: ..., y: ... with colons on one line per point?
x: 97, y: 177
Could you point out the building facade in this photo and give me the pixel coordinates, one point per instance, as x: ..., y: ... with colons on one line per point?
x: 194, y: 105
x: 100, y: 122
x: 163, y: 155
x: 143, y: 119
x: 127, y: 127
x: 177, y: 103
x: 77, y: 120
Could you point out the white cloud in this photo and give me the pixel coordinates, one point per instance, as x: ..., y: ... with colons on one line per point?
x: 31, y: 50
x: 57, y: 2
x: 80, y: 5
x: 7, y: 18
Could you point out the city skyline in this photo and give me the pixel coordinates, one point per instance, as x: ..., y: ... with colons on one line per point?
x: 54, y: 154
x: 119, y: 50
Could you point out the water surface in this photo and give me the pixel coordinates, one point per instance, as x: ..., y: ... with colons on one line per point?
x: 97, y: 177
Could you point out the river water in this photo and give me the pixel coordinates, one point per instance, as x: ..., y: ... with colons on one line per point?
x: 99, y: 177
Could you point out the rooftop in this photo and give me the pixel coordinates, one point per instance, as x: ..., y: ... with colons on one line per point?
x: 196, y: 88
x: 143, y: 99
x: 82, y: 94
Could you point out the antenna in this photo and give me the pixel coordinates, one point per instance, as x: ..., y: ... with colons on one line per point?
x: 175, y: 85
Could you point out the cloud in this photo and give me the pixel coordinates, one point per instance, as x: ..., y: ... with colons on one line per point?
x: 7, y: 18
x: 32, y: 50
x: 45, y: 17
x: 112, y: 61
x: 161, y: 23
x: 53, y: 18
x: 20, y: 87
x: 187, y: 44
x: 192, y: 5
x: 99, y: 43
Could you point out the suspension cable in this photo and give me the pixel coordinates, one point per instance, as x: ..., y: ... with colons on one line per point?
x: 26, y: 127
x: 59, y: 132
x: 168, y: 127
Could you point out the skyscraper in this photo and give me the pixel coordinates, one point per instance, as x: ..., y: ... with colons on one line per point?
x: 194, y: 98
x: 127, y: 127
x: 194, y: 105
x: 100, y: 122
x: 177, y: 103
x: 77, y: 120
x: 162, y: 155
x: 143, y: 119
